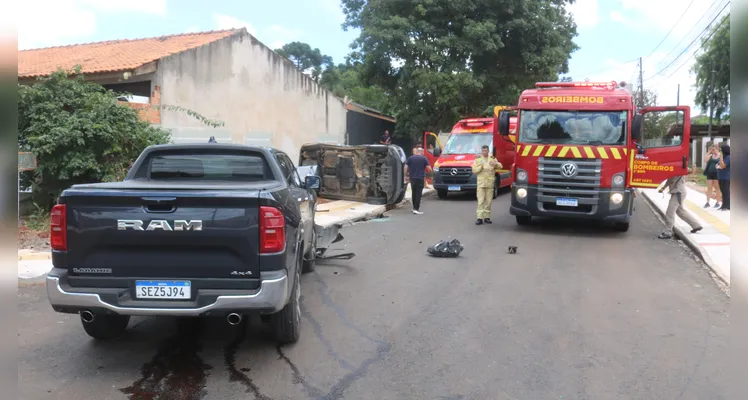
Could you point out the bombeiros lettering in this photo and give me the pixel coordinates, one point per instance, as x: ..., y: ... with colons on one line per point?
x: 572, y: 99
x: 159, y: 224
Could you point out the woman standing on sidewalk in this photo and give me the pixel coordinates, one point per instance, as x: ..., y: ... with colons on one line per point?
x: 710, y: 170
x: 723, y: 174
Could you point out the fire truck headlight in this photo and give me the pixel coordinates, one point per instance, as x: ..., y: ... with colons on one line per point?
x: 436, y: 168
x: 616, y: 198
x: 521, y: 175
x: 618, y: 180
x: 521, y: 193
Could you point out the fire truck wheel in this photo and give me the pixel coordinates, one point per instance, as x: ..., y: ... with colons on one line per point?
x: 622, y: 226
x: 523, y: 219
x: 495, y: 190
x: 442, y: 193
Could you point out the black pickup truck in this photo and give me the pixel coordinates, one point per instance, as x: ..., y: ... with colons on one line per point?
x: 194, y: 230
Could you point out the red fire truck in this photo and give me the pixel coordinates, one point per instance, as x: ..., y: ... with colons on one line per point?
x: 582, y: 147
x: 452, y: 163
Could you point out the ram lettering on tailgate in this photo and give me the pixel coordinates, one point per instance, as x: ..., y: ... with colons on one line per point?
x: 156, y: 224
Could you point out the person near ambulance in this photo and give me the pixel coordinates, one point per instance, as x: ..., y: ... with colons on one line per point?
x: 677, y: 188
x: 485, y: 168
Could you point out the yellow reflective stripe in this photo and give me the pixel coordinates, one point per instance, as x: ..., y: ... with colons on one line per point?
x: 563, y: 151
x: 590, y: 153
x: 603, y: 153
x: 625, y: 151
x: 576, y: 152
x: 616, y: 154
x: 538, y: 150
x: 550, y: 151
x: 527, y: 149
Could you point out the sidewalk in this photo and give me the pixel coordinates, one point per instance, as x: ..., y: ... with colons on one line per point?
x: 711, y: 244
x: 35, y: 264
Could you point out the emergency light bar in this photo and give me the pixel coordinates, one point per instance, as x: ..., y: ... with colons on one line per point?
x: 606, y: 85
x: 475, y: 122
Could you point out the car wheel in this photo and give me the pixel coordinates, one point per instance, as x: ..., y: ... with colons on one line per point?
x: 523, y: 219
x: 308, y: 264
x: 105, y: 327
x: 442, y: 193
x: 287, y: 322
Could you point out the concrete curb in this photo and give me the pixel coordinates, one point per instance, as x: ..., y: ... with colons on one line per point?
x: 681, y: 234
x: 25, y: 255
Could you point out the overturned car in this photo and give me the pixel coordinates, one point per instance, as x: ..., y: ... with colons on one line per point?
x: 366, y: 173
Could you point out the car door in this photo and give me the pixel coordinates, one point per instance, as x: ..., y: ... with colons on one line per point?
x: 661, y: 141
x: 303, y: 198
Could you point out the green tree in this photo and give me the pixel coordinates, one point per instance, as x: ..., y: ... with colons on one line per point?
x: 345, y: 80
x: 305, y: 58
x: 79, y: 134
x: 439, y: 60
x: 713, y: 66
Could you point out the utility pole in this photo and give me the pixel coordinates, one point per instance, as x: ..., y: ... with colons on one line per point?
x: 711, y: 103
x: 677, y: 101
x: 641, y: 85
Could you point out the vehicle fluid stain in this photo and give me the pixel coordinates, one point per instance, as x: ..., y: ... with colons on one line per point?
x: 176, y: 372
x: 236, y: 375
x: 310, y: 390
x: 344, y: 383
x: 317, y: 328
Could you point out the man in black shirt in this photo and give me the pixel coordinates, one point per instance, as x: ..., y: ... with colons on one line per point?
x: 415, y: 168
x: 385, y: 139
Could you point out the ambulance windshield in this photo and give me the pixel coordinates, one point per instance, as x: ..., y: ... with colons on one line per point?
x: 467, y: 143
x: 573, y: 127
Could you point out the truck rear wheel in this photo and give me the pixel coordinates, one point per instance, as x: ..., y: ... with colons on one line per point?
x: 286, y: 323
x: 496, y: 190
x: 523, y: 219
x: 442, y: 193
x: 105, y: 327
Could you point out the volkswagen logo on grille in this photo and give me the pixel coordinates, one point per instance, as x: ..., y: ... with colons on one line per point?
x: 453, y: 172
x: 569, y: 170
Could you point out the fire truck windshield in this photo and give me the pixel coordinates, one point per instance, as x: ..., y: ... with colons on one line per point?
x: 573, y: 127
x: 467, y: 143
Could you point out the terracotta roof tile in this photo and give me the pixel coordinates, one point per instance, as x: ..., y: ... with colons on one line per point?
x: 111, y: 56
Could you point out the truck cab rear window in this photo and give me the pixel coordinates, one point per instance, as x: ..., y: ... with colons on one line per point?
x: 209, y: 167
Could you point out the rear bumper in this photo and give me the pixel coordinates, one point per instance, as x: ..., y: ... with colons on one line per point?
x: 271, y: 297
x: 603, y: 210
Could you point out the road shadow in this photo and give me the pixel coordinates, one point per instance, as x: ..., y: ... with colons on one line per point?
x: 566, y: 227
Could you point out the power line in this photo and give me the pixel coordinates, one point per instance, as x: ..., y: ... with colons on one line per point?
x: 697, y: 50
x: 691, y: 44
x: 689, y: 31
x: 608, y: 68
x: 671, y: 29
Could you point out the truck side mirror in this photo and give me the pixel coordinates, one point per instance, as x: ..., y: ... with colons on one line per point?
x: 636, y: 128
x: 504, y: 123
x: 312, y: 182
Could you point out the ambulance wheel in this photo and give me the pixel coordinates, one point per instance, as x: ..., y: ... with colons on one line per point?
x: 442, y: 193
x: 523, y: 219
x: 622, y: 226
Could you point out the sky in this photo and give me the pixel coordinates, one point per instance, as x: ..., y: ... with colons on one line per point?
x: 613, y: 34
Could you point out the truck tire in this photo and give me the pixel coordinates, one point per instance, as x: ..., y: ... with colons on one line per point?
x: 496, y: 190
x: 286, y: 323
x: 523, y: 219
x: 442, y: 193
x: 308, y: 264
x: 105, y: 327
x: 622, y: 226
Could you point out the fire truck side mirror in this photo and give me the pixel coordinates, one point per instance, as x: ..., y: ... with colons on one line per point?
x: 636, y: 128
x: 504, y: 123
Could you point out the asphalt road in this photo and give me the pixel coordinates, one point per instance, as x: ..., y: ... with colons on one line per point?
x: 580, y: 312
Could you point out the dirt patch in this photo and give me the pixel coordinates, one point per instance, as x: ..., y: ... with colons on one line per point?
x: 33, y: 239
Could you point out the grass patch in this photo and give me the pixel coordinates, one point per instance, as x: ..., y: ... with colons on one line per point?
x: 698, y: 177
x: 38, y: 220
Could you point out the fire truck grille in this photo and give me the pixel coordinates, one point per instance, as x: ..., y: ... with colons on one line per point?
x: 583, y: 185
x: 452, y: 175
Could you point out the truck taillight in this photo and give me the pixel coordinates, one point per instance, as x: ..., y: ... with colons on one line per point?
x: 58, y: 235
x: 272, y: 230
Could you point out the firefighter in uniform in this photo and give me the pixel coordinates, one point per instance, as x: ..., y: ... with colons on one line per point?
x: 485, y: 167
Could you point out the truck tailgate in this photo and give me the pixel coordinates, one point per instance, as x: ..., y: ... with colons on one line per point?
x: 174, y: 234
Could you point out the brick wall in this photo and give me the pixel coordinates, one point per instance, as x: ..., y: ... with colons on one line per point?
x: 148, y: 112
